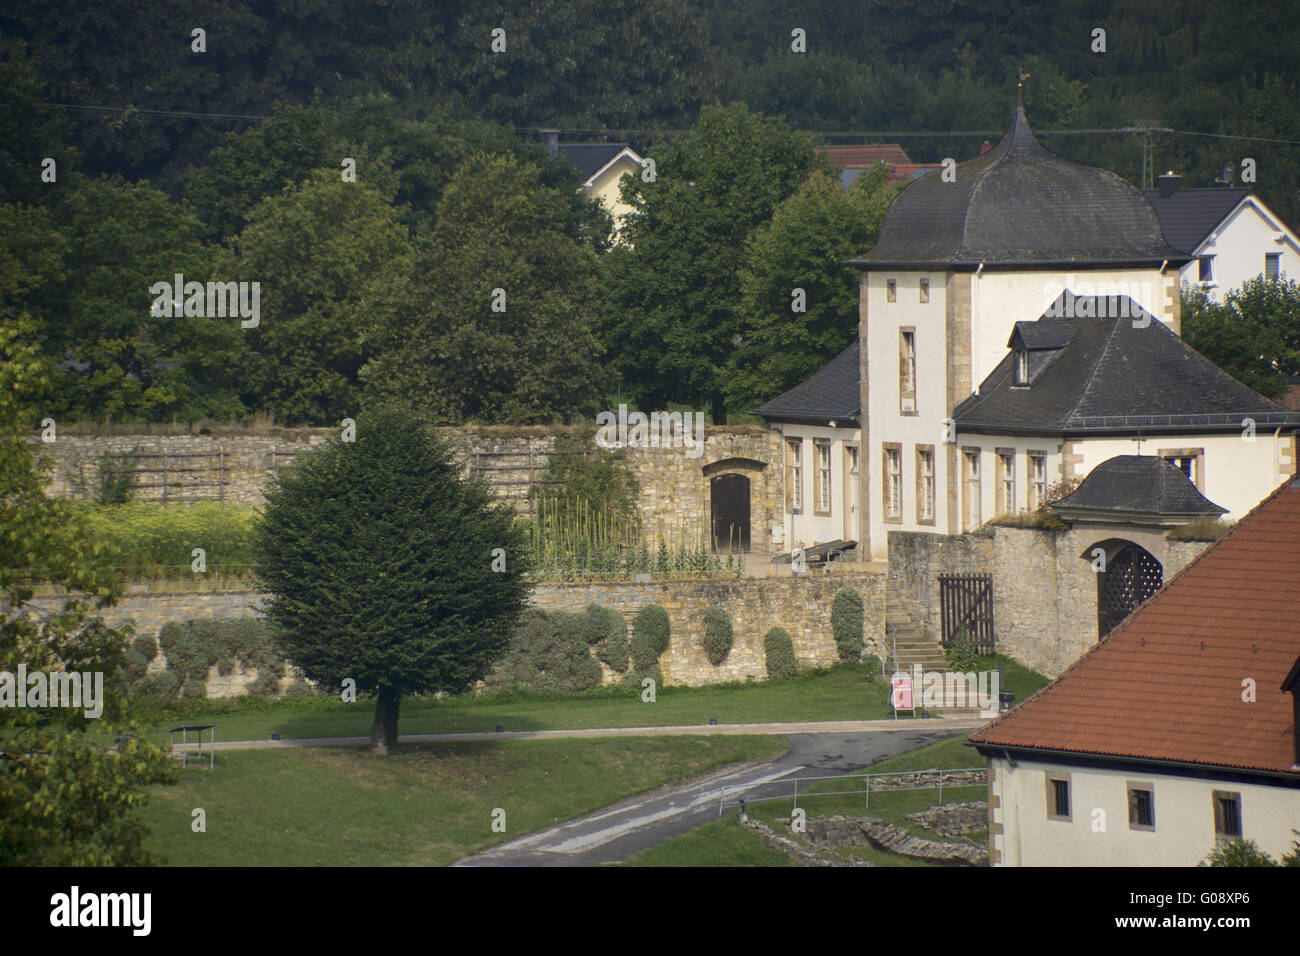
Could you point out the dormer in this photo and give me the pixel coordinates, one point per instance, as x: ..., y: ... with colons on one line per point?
x: 1034, y: 344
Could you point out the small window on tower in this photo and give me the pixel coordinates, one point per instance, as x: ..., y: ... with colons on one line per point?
x: 1022, y: 367
x: 925, y: 290
x: 891, y: 290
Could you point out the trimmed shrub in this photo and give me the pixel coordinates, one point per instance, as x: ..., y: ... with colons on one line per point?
x: 146, y: 646
x: 611, y: 644
x: 778, y: 654
x: 846, y: 623
x: 718, y: 636
x: 164, y: 686
x: 650, y: 635
x: 300, y: 688
x: 547, y: 654
x: 193, y: 648
x: 635, y: 677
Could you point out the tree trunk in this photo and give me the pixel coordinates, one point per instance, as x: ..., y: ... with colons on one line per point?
x: 718, y: 406
x: 383, y: 732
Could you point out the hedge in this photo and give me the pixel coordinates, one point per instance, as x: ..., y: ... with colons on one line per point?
x: 611, y: 645
x: 718, y: 636
x: 846, y: 623
x: 547, y: 653
x: 778, y: 654
x: 193, y: 648
x: 650, y: 636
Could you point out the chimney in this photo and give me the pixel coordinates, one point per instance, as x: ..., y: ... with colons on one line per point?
x: 985, y: 147
x: 551, y: 139
x: 1169, y: 184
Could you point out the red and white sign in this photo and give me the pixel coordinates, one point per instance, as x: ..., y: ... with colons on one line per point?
x: 900, y: 692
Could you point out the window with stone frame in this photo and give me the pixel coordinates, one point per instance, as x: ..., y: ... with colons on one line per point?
x: 794, y: 475
x: 971, y: 467
x: 925, y: 484
x: 1006, y: 481
x: 893, y: 479
x: 1037, y: 479
x: 822, y: 452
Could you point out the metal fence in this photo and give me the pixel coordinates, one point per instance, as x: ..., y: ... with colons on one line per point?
x: 959, y: 778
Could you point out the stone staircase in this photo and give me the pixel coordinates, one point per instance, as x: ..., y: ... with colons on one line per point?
x: 913, y: 645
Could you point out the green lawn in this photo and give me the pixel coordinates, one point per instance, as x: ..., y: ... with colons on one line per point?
x: 424, y: 805
x: 847, y: 692
x: 726, y: 843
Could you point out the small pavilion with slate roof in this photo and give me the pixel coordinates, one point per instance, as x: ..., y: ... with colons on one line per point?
x: 1019, y: 322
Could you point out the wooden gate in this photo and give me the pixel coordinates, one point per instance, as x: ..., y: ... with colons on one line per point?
x: 966, y: 602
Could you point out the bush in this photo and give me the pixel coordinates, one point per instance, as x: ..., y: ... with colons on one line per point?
x: 636, y: 676
x: 164, y: 686
x: 547, y: 653
x: 1237, y: 853
x: 960, y: 651
x: 611, y: 647
x: 300, y: 688
x: 650, y: 636
x: 873, y: 664
x: 846, y: 623
x: 141, y: 537
x: 195, y: 647
x: 718, y: 636
x: 778, y: 653
x: 146, y: 646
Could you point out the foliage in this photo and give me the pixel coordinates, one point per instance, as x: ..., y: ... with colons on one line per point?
x: 502, y: 240
x: 378, y: 554
x: 672, y: 309
x: 778, y: 654
x: 577, y: 469
x: 650, y: 636
x: 847, y: 622
x: 717, y: 636
x: 193, y: 648
x: 149, y: 540
x: 325, y: 292
x: 637, y: 675
x: 1253, y: 335
x: 1292, y: 857
x: 64, y: 799
x: 873, y: 665
x: 1237, y: 853
x: 804, y: 246
x: 547, y: 653
x: 1200, y: 529
x: 117, y: 478
x: 961, y: 651
x: 611, y: 644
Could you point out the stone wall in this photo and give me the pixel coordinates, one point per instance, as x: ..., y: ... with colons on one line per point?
x: 801, y: 605
x: 1044, y: 586
x: 675, y: 496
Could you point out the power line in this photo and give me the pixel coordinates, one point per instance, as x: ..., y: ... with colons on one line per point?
x: 828, y: 134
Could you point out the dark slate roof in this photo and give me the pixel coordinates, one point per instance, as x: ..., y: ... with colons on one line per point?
x: 1042, y: 334
x: 1113, y: 377
x: 1019, y: 204
x: 1147, y: 484
x: 829, y: 394
x: 1189, y: 215
x: 589, y: 158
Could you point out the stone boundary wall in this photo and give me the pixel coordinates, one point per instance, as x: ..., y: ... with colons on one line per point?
x: 1044, y: 586
x: 801, y: 605
x: 675, y: 488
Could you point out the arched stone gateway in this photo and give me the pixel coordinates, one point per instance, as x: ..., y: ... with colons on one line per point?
x: 729, y: 509
x: 1131, y: 575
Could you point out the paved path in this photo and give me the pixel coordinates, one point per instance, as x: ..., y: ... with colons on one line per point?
x: 618, y: 832
x: 949, y: 724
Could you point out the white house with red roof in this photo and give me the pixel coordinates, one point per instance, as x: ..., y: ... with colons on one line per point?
x: 1178, y: 730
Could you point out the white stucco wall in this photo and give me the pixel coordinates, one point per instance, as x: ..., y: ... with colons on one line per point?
x: 1184, y: 817
x: 605, y: 189
x: 888, y: 425
x: 1001, y: 299
x: 1239, y: 246
x: 809, y: 528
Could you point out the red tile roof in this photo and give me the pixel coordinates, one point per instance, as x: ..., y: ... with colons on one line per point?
x: 1167, y: 683
x: 864, y: 157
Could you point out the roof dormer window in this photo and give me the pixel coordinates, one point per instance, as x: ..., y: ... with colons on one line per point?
x: 1022, y: 367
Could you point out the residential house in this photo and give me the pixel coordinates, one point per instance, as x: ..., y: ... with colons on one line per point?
x: 853, y: 161
x: 601, y: 167
x: 1230, y: 235
x: 1178, y: 730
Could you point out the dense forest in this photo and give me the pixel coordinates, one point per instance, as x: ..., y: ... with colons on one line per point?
x: 135, y: 148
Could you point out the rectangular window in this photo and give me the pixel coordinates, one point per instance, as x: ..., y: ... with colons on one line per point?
x: 891, y: 290
x: 925, y: 290
x: 1205, y: 267
x: 822, y: 447
x: 1037, y: 479
x: 794, y: 475
x: 1227, y: 815
x: 1141, y: 807
x: 1006, y: 481
x: 1022, y: 367
x: 1190, y: 461
x: 1272, y: 264
x: 907, y: 371
x: 925, y: 484
x: 893, y: 483
x: 1058, y: 797
x: 971, y: 463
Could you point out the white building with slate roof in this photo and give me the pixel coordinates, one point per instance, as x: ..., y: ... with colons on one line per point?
x: 1018, y: 325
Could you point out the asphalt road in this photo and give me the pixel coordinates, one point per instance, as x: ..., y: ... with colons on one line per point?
x: 624, y: 829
